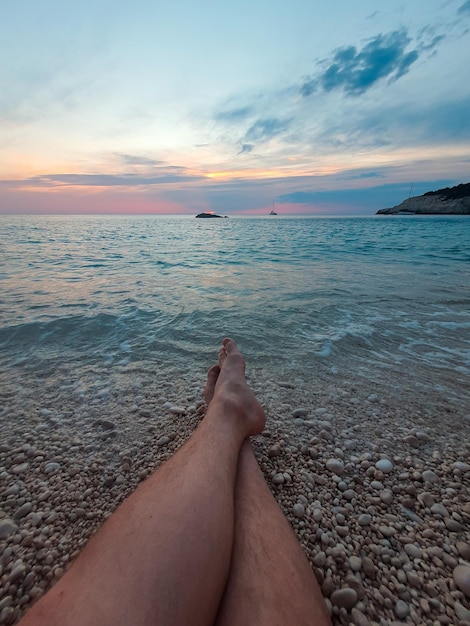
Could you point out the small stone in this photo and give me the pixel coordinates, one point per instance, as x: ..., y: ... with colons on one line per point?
x: 319, y: 559
x: 163, y: 441
x: 384, y: 465
x: 461, y: 575
x: 51, y: 467
x: 358, y: 618
x: 426, y: 498
x: 278, y: 479
x: 387, y: 531
x: 429, y: 476
x: 452, y: 525
x: 413, y: 551
x: 7, y: 527
x: 177, y: 410
x: 298, y: 510
x: 463, y: 549
x: 336, y: 466
x: 317, y: 514
x: 439, y: 509
x: 355, y: 563
x: 461, y: 612
x: 386, y: 496
x: 274, y: 450
x: 373, y: 397
x: 401, y: 609
x: 24, y: 509
x: 17, y: 571
x: 108, y: 425
x: 413, y: 578
x: 300, y: 412
x: 462, y: 467
x: 20, y: 469
x: 364, y: 519
x: 345, y: 598
x: 369, y: 568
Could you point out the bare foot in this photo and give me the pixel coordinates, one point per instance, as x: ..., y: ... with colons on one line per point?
x: 209, y: 388
x: 227, y: 391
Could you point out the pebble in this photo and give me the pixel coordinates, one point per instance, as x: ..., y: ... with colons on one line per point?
x: 369, y: 568
x: 274, y: 451
x: 346, y: 598
x: 461, y: 575
x: 439, y: 509
x: 278, y: 479
x: 24, y: 509
x: 51, y: 467
x: 413, y: 551
x: 300, y: 412
x: 177, y: 410
x: 463, y: 549
x: 461, y: 612
x: 336, y: 466
x: 452, y: 525
x: 298, y: 510
x: 364, y: 519
x: 7, y: 527
x: 17, y: 571
x: 462, y: 467
x: 401, y: 609
x: 358, y: 618
x: 384, y: 465
x: 426, y: 498
x: 429, y: 476
x: 355, y: 563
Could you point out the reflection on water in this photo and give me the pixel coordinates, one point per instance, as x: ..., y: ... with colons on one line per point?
x: 391, y: 292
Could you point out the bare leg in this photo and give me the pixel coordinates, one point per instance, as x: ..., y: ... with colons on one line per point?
x: 163, y: 557
x: 271, y: 582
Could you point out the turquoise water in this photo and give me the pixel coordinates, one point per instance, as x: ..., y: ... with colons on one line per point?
x: 370, y: 298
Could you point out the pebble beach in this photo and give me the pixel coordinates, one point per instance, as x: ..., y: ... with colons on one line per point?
x: 374, y: 480
x: 355, y: 334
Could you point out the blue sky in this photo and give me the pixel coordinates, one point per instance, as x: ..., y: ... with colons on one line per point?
x: 147, y: 108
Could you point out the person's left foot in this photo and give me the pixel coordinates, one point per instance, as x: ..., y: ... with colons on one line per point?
x: 212, y: 376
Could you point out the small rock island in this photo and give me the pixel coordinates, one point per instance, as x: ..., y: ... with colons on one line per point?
x: 209, y: 214
x: 448, y: 201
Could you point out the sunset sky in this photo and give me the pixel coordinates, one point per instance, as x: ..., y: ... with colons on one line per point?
x: 145, y: 107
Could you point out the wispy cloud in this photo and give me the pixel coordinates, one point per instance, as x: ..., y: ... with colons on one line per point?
x: 136, y: 159
x: 238, y: 114
x: 355, y: 71
x: 265, y: 129
x: 168, y: 175
x: 465, y: 8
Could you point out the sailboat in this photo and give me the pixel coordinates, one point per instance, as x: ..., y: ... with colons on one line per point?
x: 273, y: 212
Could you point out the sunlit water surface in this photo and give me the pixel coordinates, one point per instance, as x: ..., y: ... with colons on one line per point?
x: 376, y: 298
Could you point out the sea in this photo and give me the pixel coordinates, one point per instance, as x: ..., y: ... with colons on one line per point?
x: 379, y: 302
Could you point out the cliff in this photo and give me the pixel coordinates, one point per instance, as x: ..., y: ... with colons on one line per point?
x: 448, y: 201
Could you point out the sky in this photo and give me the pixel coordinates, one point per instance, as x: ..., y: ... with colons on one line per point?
x: 149, y: 107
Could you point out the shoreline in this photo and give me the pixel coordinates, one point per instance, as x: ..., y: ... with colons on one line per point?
x: 394, y: 537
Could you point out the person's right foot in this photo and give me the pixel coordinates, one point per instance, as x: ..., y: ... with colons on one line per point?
x: 227, y: 392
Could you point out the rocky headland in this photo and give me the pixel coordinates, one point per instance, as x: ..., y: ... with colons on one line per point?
x: 448, y: 201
